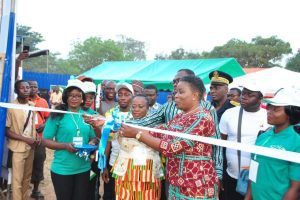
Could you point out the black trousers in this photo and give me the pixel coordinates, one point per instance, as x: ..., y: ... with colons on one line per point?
x: 94, y: 183
x: 38, y: 164
x: 71, y: 187
x: 229, y: 188
x: 109, y: 188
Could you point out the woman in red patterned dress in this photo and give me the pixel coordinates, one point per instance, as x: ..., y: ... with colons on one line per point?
x: 190, y: 168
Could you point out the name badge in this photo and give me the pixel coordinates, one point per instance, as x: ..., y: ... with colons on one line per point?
x: 253, y: 170
x: 78, y: 141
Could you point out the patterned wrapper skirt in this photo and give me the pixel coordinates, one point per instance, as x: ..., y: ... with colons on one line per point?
x: 138, y: 183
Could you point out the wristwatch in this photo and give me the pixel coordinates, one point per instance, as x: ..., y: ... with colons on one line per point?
x: 138, y: 135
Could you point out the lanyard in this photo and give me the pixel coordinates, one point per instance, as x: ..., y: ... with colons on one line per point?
x: 76, y: 124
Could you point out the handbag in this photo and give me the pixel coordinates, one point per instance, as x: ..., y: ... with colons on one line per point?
x: 243, y: 178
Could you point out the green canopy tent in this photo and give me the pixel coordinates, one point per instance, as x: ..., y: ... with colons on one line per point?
x: 162, y: 72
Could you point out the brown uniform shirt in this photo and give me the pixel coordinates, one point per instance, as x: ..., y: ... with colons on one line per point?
x: 15, y: 120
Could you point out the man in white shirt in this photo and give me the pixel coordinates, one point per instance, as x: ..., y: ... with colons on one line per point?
x: 254, y: 119
x: 122, y: 111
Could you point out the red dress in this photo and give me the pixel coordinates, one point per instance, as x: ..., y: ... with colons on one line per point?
x: 190, y: 169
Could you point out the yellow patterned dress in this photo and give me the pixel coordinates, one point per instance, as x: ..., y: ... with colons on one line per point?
x: 137, y: 171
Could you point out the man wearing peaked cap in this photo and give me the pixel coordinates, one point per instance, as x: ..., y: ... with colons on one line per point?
x: 218, y: 90
x: 218, y: 77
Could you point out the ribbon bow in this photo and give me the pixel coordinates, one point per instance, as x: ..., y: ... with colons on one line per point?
x: 112, y: 125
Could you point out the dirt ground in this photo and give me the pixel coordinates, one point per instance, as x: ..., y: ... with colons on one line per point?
x: 46, y: 186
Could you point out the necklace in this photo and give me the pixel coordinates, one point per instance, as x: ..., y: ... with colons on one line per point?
x: 76, y: 124
x: 191, y: 111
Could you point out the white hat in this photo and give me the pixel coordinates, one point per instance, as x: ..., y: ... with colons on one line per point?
x: 285, y: 97
x: 254, y: 87
x: 124, y: 85
x: 89, y: 87
x: 76, y: 83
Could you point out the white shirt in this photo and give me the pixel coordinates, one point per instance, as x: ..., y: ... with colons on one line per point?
x: 252, y: 123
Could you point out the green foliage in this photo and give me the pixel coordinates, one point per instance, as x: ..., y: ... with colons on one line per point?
x: 260, y: 52
x: 133, y: 49
x: 179, y: 54
x: 30, y: 38
x: 294, y: 63
x: 93, y: 51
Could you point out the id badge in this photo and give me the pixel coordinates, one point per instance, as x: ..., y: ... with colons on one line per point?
x: 78, y: 141
x: 253, y: 170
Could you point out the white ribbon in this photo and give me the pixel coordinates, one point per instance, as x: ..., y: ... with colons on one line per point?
x: 264, y: 151
x: 26, y: 107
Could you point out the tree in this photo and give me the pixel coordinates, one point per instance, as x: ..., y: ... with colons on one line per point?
x: 179, y: 54
x: 93, y: 51
x: 260, y: 52
x: 294, y: 63
x: 133, y: 49
x: 30, y: 38
x: 272, y: 49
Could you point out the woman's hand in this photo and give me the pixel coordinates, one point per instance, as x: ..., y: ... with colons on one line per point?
x: 128, y: 131
x: 70, y: 148
x: 94, y: 141
x: 94, y: 120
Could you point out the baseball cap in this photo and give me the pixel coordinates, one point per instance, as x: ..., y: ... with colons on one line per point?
x: 285, y: 97
x: 124, y: 85
x: 89, y: 87
x: 253, y: 87
x: 76, y: 83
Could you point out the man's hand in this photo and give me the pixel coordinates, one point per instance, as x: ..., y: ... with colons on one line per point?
x: 22, y: 56
x: 30, y: 141
x: 105, y: 175
x: 40, y: 128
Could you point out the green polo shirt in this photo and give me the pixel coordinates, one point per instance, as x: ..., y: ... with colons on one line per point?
x: 62, y: 130
x: 274, y: 175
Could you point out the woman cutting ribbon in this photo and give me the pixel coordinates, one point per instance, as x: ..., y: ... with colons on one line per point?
x: 190, y: 169
x: 69, y: 172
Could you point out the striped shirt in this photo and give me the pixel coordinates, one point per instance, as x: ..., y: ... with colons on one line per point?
x: 169, y: 110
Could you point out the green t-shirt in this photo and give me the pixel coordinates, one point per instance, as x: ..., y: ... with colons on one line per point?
x: 274, y: 175
x: 91, y: 112
x: 63, y: 130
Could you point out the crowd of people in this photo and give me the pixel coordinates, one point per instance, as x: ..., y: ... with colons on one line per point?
x: 149, y: 165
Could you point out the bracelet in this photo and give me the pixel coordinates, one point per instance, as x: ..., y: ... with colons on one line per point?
x: 138, y: 135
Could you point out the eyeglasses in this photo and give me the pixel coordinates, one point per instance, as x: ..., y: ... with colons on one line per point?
x: 175, y: 81
x: 75, y: 96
